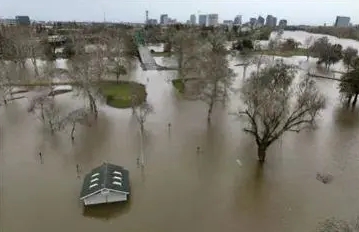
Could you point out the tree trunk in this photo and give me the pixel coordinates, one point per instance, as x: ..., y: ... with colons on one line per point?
x: 117, y: 78
x: 355, y: 100
x: 349, y: 98
x: 210, y: 109
x: 73, y: 131
x: 93, y: 105
x: 34, y: 63
x: 42, y: 112
x: 244, y: 71
x: 142, y: 156
x: 262, y: 149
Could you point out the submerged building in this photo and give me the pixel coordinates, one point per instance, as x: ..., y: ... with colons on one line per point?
x: 105, y: 184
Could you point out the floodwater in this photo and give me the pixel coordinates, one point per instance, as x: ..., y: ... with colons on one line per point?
x: 178, y: 189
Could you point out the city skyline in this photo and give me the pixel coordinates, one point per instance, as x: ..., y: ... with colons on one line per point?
x: 296, y: 12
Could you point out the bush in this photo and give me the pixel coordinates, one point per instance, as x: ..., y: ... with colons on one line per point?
x: 69, y: 51
x: 243, y: 44
x: 178, y: 84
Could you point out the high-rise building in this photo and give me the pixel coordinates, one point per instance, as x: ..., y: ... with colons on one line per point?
x: 202, y: 20
x: 238, y: 20
x: 193, y: 19
x: 252, y: 21
x: 274, y: 21
x: 213, y: 20
x: 164, y: 19
x: 260, y: 21
x: 271, y: 21
x: 146, y: 17
x: 283, y: 23
x: 342, y: 21
x: 22, y: 20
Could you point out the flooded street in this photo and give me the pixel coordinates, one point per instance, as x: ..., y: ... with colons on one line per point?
x: 178, y: 190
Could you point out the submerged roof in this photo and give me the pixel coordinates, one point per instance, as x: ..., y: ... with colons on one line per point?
x: 106, y: 176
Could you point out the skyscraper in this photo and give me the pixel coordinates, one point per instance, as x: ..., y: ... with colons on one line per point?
x: 193, y: 19
x: 271, y: 21
x: 252, y: 21
x: 238, y: 20
x: 164, y: 19
x: 260, y: 21
x: 146, y: 17
x: 213, y: 20
x: 202, y: 20
x: 342, y: 21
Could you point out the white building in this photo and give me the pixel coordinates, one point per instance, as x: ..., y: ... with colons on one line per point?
x: 105, y: 184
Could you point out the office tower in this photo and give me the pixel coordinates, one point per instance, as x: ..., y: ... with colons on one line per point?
x: 164, y: 19
x: 202, y: 20
x: 342, y: 21
x: 238, y: 20
x: 193, y: 19
x: 213, y: 20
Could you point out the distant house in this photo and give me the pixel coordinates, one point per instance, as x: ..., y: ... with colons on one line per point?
x: 105, y: 184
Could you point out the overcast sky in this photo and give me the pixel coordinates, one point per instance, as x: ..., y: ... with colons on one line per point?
x: 313, y: 12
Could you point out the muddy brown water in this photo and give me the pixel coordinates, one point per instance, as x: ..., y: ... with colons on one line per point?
x: 178, y: 190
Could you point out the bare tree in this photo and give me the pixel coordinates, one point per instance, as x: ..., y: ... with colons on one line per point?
x: 7, y: 79
x: 246, y: 57
x: 308, y: 43
x: 188, y: 52
x: 82, y: 116
x: 349, y: 56
x: 44, y: 107
x: 273, y: 104
x: 119, y: 55
x: 86, y: 73
x: 141, y: 113
x: 216, y: 83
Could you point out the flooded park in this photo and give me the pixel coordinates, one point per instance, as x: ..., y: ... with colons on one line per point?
x: 179, y: 189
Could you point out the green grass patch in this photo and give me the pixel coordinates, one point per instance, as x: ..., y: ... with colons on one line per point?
x: 121, y: 94
x: 296, y: 52
x: 159, y: 54
x: 179, y: 85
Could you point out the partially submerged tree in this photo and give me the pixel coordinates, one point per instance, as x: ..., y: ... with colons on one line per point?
x: 327, y: 53
x: 308, y: 43
x: 85, y: 73
x: 217, y: 77
x: 289, y: 45
x: 7, y: 79
x: 188, y: 53
x: 82, y: 116
x: 44, y: 107
x: 349, y: 56
x: 273, y: 104
x: 349, y: 86
x: 141, y: 113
